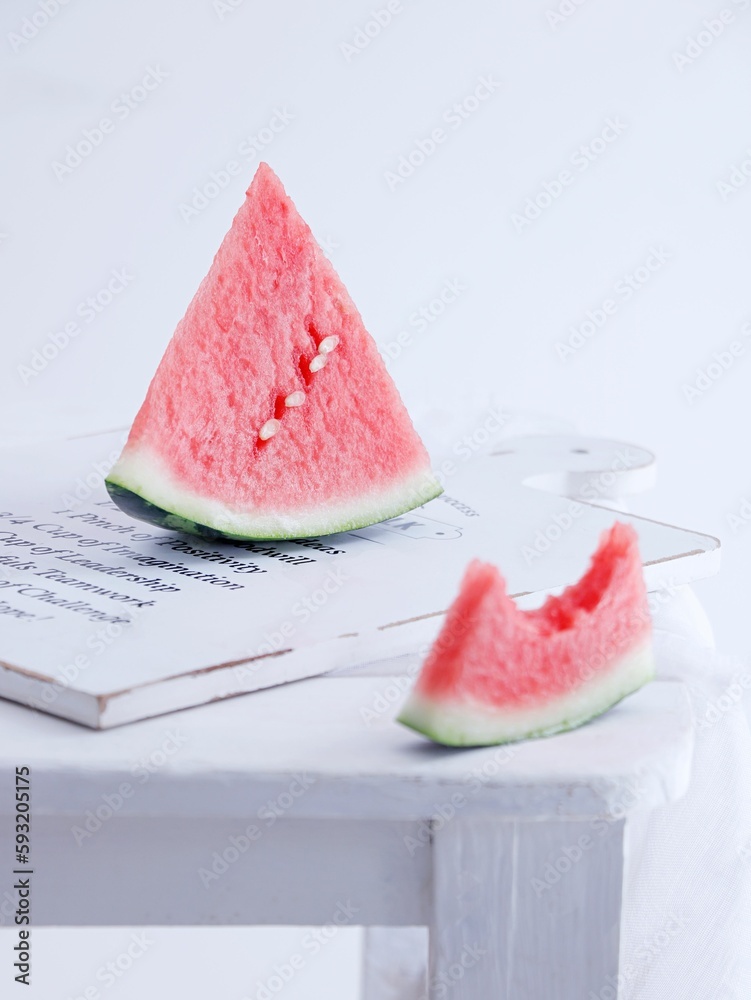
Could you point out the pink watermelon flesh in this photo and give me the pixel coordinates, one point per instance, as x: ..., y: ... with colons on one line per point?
x: 271, y: 343
x: 496, y: 673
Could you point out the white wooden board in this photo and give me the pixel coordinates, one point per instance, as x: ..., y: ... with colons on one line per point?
x: 105, y: 620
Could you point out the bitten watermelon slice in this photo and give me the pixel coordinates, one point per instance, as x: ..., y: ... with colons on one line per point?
x: 497, y: 674
x: 271, y: 414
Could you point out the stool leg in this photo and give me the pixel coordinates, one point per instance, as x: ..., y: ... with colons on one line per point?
x: 394, y: 963
x: 526, y: 909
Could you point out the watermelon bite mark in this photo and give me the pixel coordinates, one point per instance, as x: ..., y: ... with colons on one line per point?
x: 497, y: 673
x: 271, y: 414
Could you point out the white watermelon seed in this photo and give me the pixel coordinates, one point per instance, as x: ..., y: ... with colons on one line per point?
x: 327, y: 345
x: 295, y: 398
x: 318, y: 362
x: 269, y: 429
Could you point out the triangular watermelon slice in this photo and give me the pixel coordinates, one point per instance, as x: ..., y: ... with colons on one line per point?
x: 271, y: 414
x: 497, y: 674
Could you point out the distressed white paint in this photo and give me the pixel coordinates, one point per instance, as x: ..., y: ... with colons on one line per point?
x: 395, y: 963
x: 499, y: 930
x: 379, y: 832
x: 158, y: 870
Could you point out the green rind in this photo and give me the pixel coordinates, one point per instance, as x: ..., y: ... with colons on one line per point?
x: 139, y: 507
x: 143, y: 510
x: 463, y: 739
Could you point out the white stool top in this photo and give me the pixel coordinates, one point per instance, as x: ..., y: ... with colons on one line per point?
x: 353, y: 762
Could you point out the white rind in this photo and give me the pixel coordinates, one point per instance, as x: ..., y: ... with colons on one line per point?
x: 144, y: 473
x: 474, y: 723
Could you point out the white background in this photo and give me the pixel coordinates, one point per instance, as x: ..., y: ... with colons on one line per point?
x: 354, y: 116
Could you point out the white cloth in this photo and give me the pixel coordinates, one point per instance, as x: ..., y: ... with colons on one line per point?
x: 686, y: 932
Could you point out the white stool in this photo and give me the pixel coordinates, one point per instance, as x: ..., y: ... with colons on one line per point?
x: 513, y: 857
